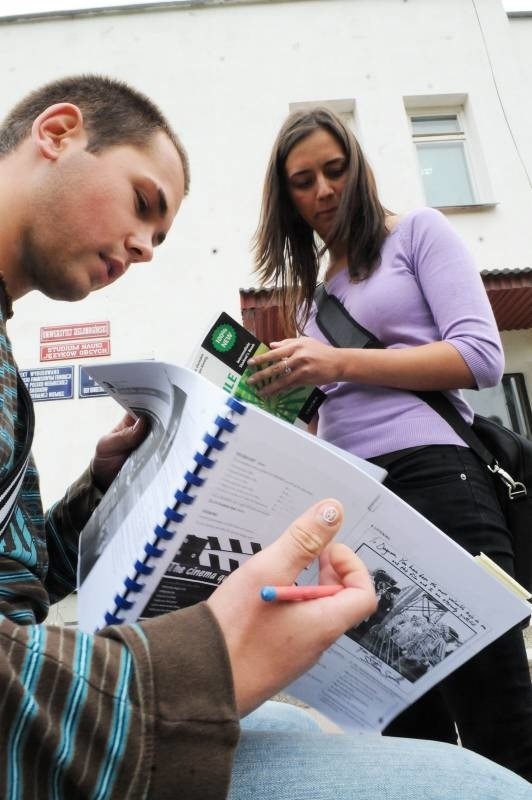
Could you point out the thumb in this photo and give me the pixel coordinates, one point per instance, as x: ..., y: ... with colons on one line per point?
x: 303, y: 541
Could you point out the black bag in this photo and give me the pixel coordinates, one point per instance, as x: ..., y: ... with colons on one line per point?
x: 506, y: 454
x: 513, y: 453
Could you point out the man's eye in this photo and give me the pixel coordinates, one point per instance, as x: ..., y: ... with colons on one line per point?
x: 142, y: 203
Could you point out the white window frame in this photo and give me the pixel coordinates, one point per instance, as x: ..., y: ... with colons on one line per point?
x: 453, y: 106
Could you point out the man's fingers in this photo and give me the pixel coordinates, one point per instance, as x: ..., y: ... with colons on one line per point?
x: 137, y: 432
x: 358, y: 600
x: 127, y: 421
x: 124, y: 438
x: 349, y: 568
x: 304, y: 540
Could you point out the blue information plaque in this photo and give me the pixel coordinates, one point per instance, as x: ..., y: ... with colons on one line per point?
x: 87, y: 387
x: 49, y: 383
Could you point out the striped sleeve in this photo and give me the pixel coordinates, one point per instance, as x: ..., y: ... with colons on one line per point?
x: 63, y: 523
x: 72, y: 725
x: 139, y: 711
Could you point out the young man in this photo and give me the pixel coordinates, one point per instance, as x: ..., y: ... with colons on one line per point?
x: 91, y: 177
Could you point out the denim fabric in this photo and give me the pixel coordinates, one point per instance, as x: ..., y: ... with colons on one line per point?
x: 277, y: 716
x: 325, y: 766
x: 490, y: 697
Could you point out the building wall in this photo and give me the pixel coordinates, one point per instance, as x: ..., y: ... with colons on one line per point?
x: 225, y: 75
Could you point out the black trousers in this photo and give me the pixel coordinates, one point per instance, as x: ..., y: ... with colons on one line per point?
x: 489, y: 698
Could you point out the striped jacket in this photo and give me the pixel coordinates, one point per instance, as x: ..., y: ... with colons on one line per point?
x: 137, y: 711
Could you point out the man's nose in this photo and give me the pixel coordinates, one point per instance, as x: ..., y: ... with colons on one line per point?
x: 139, y: 246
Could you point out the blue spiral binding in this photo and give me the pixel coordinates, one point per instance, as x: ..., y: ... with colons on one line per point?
x: 173, y: 516
x: 173, y: 513
x: 225, y: 424
x: 142, y: 568
x: 204, y: 461
x: 213, y: 442
x: 133, y: 586
x: 193, y: 479
x: 121, y: 602
x: 111, y: 619
x: 183, y: 497
x: 235, y: 405
x: 152, y: 551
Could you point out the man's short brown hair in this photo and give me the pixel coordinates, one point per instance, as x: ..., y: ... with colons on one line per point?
x: 113, y: 114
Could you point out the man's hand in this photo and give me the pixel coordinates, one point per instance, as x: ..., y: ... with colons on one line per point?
x: 271, y: 644
x: 113, y: 449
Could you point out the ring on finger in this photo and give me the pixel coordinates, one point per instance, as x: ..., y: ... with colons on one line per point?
x: 287, y: 368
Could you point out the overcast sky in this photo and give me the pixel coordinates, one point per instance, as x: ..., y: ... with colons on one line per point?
x: 14, y: 7
x: 517, y: 5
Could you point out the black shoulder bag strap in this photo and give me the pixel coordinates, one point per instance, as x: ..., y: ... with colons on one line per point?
x: 12, y: 483
x: 337, y: 324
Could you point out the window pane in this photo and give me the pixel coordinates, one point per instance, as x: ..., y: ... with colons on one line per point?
x: 436, y: 125
x: 506, y: 403
x: 490, y: 403
x: 518, y: 403
x: 445, y: 174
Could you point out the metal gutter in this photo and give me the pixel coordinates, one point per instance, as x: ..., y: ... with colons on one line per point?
x: 94, y: 11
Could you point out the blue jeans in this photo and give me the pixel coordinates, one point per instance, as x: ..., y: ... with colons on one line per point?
x: 286, y: 761
x: 277, y: 716
x: 490, y: 697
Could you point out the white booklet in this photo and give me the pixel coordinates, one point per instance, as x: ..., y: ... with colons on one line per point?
x: 217, y: 480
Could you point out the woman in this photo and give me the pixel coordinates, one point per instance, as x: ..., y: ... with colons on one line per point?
x: 411, y: 282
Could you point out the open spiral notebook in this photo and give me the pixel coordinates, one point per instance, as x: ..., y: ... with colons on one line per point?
x: 217, y: 480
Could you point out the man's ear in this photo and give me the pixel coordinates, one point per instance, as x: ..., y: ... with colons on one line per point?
x: 58, y: 127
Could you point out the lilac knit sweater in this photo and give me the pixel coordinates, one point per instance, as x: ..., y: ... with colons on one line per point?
x: 427, y: 288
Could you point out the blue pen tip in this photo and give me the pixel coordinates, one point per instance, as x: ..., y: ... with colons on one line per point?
x: 267, y: 593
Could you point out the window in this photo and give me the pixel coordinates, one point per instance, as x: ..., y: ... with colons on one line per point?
x: 452, y: 168
x: 440, y: 142
x: 507, y: 403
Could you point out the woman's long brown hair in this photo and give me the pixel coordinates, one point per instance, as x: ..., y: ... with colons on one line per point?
x: 287, y: 253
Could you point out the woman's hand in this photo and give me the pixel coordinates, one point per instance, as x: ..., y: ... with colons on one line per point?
x: 296, y: 362
x: 271, y: 644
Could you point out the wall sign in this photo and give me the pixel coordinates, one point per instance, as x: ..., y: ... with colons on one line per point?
x: 49, y: 383
x: 87, y: 387
x: 69, y: 350
x: 81, y: 330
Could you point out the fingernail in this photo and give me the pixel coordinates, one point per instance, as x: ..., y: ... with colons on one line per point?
x: 328, y: 514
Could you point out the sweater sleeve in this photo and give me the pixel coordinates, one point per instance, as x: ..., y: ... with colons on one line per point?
x: 63, y: 524
x: 196, y: 725
x: 138, y: 711
x: 453, y: 289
